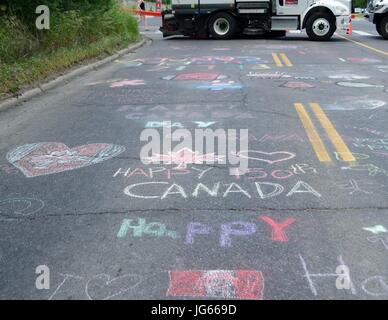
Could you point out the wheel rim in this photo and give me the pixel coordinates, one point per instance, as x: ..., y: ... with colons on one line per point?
x: 321, y: 27
x: 221, y: 26
x: 386, y: 27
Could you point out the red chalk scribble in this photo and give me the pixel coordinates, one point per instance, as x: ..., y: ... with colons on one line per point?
x: 227, y: 284
x: 278, y: 228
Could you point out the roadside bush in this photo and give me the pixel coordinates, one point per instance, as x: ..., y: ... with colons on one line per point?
x: 72, y: 24
x: 79, y: 30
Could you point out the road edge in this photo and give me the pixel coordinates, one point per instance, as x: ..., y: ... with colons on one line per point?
x: 41, y: 89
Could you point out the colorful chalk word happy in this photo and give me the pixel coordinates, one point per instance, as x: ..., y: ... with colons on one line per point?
x: 227, y: 284
x: 228, y: 231
x: 45, y: 158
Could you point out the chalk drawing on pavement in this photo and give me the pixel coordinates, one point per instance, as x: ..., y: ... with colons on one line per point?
x: 45, y: 158
x: 127, y: 83
x: 227, y: 284
x: 297, y: 85
x: 377, y: 229
x: 104, y: 287
x: 354, y: 104
x: 196, y: 76
x: 20, y: 207
x: 267, y: 157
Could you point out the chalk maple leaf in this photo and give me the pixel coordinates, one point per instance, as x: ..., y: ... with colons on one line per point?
x: 183, y: 157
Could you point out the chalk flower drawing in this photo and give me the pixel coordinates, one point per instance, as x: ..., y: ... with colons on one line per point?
x: 44, y: 158
x: 183, y: 157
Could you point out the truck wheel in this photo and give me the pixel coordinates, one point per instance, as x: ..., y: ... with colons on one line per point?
x: 384, y: 27
x: 378, y: 29
x: 222, y: 26
x: 320, y: 26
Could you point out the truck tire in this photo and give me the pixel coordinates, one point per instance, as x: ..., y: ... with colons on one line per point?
x: 222, y: 26
x: 320, y: 26
x: 384, y: 27
x: 378, y: 29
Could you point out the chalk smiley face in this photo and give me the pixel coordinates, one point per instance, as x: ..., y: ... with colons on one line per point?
x: 267, y: 157
x: 103, y: 287
x: 45, y: 158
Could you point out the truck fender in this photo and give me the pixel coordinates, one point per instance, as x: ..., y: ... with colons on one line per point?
x: 317, y: 7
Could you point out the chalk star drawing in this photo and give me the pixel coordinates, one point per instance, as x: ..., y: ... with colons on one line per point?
x: 127, y: 83
x: 354, y: 186
x: 183, y: 157
x: 376, y: 229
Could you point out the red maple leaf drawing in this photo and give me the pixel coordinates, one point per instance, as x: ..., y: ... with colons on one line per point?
x: 183, y: 157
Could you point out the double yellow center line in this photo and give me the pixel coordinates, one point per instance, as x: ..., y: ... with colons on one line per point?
x: 318, y: 145
x: 281, y: 60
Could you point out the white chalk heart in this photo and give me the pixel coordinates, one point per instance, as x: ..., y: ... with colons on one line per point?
x: 267, y: 157
x: 109, y: 288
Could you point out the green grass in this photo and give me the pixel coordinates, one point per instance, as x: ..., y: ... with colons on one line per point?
x: 28, y: 56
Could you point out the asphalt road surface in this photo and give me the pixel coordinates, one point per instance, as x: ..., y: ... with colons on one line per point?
x: 307, y: 220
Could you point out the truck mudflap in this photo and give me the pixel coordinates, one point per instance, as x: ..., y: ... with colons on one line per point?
x: 169, y: 24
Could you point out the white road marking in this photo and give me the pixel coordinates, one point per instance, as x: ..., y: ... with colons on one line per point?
x: 362, y: 33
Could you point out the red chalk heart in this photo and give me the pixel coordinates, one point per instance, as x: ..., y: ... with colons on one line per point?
x: 52, y: 157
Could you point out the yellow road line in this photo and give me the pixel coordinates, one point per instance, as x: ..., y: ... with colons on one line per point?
x: 315, y: 140
x: 286, y: 60
x: 335, y: 138
x: 364, y: 45
x: 275, y: 58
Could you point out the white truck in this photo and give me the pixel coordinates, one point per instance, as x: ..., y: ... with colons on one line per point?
x: 222, y: 19
x: 377, y: 13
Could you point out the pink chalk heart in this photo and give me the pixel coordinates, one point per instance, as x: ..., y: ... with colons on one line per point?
x: 103, y: 287
x: 267, y: 157
x: 44, y: 158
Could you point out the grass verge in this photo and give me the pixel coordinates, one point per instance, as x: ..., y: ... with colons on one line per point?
x: 27, y: 58
x: 18, y: 75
